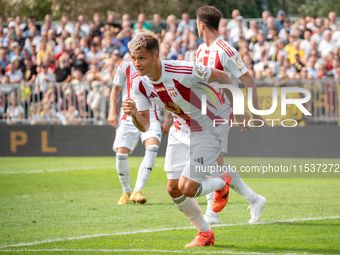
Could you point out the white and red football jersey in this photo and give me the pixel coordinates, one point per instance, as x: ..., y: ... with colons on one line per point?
x: 222, y: 56
x: 123, y: 78
x: 179, y: 91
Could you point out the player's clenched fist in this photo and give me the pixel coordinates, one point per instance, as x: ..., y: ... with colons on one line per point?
x: 113, y: 119
x: 129, y: 107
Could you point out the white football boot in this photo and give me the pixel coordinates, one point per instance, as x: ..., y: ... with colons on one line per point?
x: 256, y: 209
x: 212, y: 218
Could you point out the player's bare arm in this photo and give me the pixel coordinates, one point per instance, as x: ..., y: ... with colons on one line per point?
x: 167, y: 123
x: 141, y: 119
x: 113, y: 113
x: 223, y: 78
x: 249, y: 82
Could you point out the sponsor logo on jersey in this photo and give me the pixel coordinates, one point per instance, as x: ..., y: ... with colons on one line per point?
x: 160, y: 89
x: 172, y: 92
x: 202, y: 74
x: 238, y: 61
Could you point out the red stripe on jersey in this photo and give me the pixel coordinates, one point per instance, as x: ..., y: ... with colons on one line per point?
x: 179, y: 68
x: 198, y: 53
x: 128, y: 84
x: 127, y: 72
x: 134, y: 75
x: 183, y: 67
x: 156, y: 113
x: 171, y: 71
x: 124, y: 61
x: 206, y: 57
x: 193, y: 99
x: 218, y: 64
x: 225, y: 48
x: 142, y: 89
x: 176, y: 123
x: 170, y: 106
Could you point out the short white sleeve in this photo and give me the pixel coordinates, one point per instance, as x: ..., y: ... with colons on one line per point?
x: 120, y: 77
x: 235, y: 65
x: 139, y: 95
x: 200, y: 73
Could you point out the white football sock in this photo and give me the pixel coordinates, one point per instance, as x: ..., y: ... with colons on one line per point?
x: 146, y: 167
x: 123, y: 171
x: 240, y: 187
x: 192, y: 211
x: 209, y: 185
x: 209, y: 208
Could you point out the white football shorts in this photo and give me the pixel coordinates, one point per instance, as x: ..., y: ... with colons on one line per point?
x: 188, y: 156
x: 223, y: 133
x: 127, y: 135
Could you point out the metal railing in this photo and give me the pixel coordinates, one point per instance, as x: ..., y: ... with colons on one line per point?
x: 88, y: 103
x: 325, y: 96
x: 54, y: 103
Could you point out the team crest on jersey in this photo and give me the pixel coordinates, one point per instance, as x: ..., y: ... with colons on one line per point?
x: 173, y: 92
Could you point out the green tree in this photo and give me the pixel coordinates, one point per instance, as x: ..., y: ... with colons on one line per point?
x: 38, y: 8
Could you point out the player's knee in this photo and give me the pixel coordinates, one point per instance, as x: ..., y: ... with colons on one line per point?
x: 187, y: 190
x: 122, y: 156
x: 173, y: 190
x: 152, y: 148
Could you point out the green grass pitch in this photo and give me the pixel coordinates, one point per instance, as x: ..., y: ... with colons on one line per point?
x: 69, y: 206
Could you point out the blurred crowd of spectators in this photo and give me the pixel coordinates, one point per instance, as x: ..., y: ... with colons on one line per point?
x: 65, y: 69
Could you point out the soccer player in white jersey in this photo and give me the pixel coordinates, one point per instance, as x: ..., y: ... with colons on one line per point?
x: 193, y: 140
x: 127, y: 136
x: 219, y: 54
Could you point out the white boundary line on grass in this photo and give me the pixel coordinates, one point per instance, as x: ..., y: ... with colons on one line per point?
x: 158, y: 230
x: 144, y: 250
x: 65, y: 169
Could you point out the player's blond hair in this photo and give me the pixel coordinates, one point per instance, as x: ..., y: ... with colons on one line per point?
x: 144, y: 39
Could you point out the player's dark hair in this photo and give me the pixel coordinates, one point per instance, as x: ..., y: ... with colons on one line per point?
x: 210, y: 16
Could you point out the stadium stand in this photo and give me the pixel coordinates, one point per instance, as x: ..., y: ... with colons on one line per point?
x: 61, y: 72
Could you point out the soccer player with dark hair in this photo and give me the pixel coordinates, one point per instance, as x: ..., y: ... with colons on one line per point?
x: 219, y: 54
